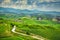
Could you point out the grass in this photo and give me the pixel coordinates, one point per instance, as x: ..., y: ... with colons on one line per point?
x: 6, y: 34
x: 45, y: 28
x: 17, y: 37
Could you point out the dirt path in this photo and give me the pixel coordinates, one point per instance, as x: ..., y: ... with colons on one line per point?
x: 33, y: 36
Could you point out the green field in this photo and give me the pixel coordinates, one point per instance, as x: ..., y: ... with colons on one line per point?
x: 45, y: 28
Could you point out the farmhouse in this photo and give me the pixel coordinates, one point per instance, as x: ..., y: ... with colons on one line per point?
x: 58, y: 18
x: 39, y: 18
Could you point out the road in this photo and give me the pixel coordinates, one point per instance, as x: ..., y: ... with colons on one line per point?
x: 33, y: 36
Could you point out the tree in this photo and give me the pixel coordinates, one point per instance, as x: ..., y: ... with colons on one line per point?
x: 1, y: 18
x: 27, y: 33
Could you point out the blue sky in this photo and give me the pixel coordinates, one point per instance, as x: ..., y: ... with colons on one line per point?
x: 42, y: 5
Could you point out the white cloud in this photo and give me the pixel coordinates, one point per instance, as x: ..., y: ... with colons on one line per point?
x: 7, y: 1
x: 23, y: 5
x: 47, y: 0
x: 50, y: 0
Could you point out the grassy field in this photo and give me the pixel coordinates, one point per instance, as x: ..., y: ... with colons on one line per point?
x: 45, y: 28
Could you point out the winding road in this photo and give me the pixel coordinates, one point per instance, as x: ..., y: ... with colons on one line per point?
x: 33, y: 36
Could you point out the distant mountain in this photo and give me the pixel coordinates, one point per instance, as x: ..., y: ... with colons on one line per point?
x: 19, y: 13
x: 17, y: 10
x: 27, y: 11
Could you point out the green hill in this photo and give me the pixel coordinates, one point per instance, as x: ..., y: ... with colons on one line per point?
x: 45, y: 28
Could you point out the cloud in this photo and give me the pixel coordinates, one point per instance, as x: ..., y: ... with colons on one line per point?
x: 24, y: 4
x: 49, y: 0
x: 7, y: 1
x: 1, y: 1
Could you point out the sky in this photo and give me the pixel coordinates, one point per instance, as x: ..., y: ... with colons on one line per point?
x: 41, y: 5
